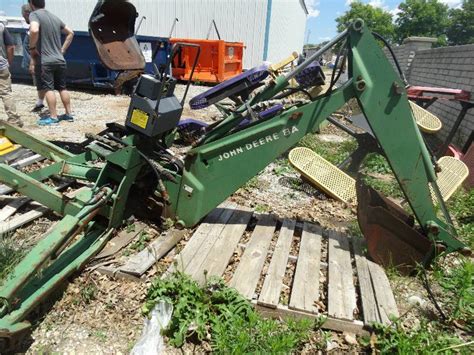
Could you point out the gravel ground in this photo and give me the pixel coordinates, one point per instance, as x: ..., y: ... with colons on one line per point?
x: 101, y: 315
x: 92, y: 110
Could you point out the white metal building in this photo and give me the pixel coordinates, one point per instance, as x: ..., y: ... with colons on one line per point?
x: 270, y: 29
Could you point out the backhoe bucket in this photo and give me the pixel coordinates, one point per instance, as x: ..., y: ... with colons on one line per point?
x: 392, y: 239
x: 112, y: 26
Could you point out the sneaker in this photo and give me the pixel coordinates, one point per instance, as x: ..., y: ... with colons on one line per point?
x: 66, y: 117
x: 16, y: 122
x: 47, y: 121
x: 37, y: 108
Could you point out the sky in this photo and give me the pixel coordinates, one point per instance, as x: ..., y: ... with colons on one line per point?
x: 321, y: 24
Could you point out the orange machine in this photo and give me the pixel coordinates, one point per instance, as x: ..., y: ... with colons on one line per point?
x: 219, y: 60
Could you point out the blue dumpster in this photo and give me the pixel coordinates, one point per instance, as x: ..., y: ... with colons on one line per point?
x: 84, y: 68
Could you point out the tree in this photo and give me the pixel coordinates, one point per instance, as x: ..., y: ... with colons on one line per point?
x: 461, y: 26
x: 376, y: 18
x: 427, y: 18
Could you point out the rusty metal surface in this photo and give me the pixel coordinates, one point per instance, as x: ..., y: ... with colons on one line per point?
x: 112, y: 28
x: 392, y: 239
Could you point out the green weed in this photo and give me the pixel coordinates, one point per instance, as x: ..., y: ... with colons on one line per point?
x: 142, y: 242
x: 461, y: 206
x: 458, y: 292
x: 260, y: 208
x: 251, y: 184
x: 376, y: 163
x: 9, y: 256
x: 100, y: 335
x: 332, y: 152
x: 387, y: 187
x: 87, y: 294
x: 220, y: 315
x: 428, y: 338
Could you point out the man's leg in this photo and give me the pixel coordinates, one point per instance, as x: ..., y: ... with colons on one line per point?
x: 60, y: 85
x: 66, y: 100
x: 40, y: 102
x: 45, y: 83
x: 47, y: 86
x: 7, y: 97
x: 51, y: 101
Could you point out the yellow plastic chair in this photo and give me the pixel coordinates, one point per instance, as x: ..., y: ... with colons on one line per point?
x: 337, y: 184
x: 427, y: 122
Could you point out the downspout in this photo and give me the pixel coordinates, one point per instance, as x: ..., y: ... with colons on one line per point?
x: 267, y: 30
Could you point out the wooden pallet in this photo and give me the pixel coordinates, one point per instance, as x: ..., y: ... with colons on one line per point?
x: 327, y: 274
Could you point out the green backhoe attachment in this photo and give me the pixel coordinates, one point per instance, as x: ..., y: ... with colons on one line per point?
x: 130, y: 171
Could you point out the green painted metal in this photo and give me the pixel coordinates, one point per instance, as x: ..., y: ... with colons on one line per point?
x: 35, y: 291
x: 37, y: 145
x: 38, y: 191
x: 224, y: 162
x: 79, y: 171
x: 221, y: 163
x: 215, y: 170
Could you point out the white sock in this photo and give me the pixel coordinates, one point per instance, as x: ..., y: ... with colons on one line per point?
x: 39, y: 102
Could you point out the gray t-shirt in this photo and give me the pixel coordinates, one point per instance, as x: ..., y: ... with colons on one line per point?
x: 6, y: 40
x: 49, y: 42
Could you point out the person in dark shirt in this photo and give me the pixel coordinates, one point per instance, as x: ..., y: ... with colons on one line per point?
x: 7, y: 48
x: 47, y: 54
x: 26, y: 63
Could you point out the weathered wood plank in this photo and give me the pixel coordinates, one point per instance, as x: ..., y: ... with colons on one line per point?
x: 222, y: 250
x: 17, y: 222
x: 341, y: 290
x: 122, y: 240
x: 27, y: 161
x: 370, y: 310
x: 248, y: 271
x: 270, y: 294
x: 340, y: 325
x: 383, y: 292
x: 10, y: 209
x: 139, y: 263
x: 4, y: 189
x: 306, y: 283
x: 205, y: 236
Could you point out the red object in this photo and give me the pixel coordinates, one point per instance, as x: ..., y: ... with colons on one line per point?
x: 219, y: 60
x: 423, y: 93
x: 453, y: 151
x: 468, y: 159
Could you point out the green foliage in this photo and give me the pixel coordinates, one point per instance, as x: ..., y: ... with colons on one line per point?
x: 9, y: 256
x: 428, y: 338
x: 375, y: 163
x: 457, y: 284
x: 461, y: 24
x: 461, y: 207
x: 261, y: 208
x: 376, y: 18
x: 332, y: 152
x: 222, y: 316
x: 87, y: 294
x: 142, y: 242
x: 388, y: 187
x: 427, y: 18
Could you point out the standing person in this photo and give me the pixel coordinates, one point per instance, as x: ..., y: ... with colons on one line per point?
x: 26, y: 62
x: 7, y: 48
x: 47, y: 54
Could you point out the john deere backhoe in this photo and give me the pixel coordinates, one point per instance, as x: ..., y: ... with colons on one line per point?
x: 132, y: 168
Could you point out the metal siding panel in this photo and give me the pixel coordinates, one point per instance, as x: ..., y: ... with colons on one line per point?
x: 287, y: 26
x: 237, y: 20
